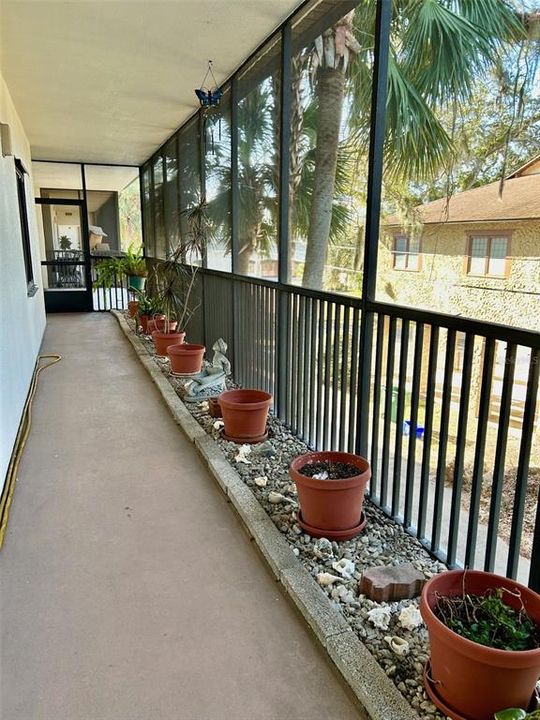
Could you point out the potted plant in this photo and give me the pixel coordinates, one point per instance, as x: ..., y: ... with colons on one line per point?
x: 245, y: 413
x: 484, y: 633
x: 174, y: 280
x: 331, y: 487
x: 64, y: 242
x: 517, y: 714
x: 147, y: 309
x: 132, y: 264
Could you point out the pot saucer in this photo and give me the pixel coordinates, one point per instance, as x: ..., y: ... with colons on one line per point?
x: 245, y: 441
x: 184, y: 375
x: 333, y: 534
x: 430, y: 686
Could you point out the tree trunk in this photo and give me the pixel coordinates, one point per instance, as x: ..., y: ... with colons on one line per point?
x: 244, y: 256
x: 330, y: 92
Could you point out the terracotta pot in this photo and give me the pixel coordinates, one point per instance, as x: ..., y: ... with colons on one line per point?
x: 331, y: 508
x: 186, y: 359
x: 161, y: 325
x: 245, y: 413
x: 214, y: 408
x: 132, y: 308
x: 162, y: 340
x: 468, y: 680
x: 145, y: 319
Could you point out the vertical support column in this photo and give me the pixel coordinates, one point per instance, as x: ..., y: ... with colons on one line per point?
x: 283, y: 229
x: 86, y: 236
x: 202, y: 174
x: 235, y: 243
x: 376, y: 142
x: 143, y: 209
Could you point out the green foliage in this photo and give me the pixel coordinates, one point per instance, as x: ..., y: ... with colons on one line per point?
x: 517, y: 714
x: 488, y: 620
x: 129, y: 212
x: 64, y: 242
x: 109, y: 270
x: 148, y: 305
x: 133, y: 263
x: 173, y: 279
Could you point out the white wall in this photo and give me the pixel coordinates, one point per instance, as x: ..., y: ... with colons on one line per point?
x: 22, y: 318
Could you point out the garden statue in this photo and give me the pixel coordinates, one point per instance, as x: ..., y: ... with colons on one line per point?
x: 211, y: 380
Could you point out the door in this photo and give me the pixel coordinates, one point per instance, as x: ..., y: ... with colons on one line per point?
x: 65, y: 255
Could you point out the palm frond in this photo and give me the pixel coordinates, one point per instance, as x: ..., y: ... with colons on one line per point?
x: 443, y: 52
x: 416, y: 144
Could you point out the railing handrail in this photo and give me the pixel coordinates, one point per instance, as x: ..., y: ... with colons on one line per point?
x: 496, y: 331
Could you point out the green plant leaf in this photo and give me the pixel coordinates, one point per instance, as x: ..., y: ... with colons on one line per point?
x: 511, y: 714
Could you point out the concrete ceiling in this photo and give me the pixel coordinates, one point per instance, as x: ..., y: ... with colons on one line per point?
x: 110, y: 80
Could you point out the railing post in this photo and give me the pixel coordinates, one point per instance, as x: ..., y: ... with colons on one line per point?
x: 376, y: 143
x: 235, y: 242
x: 283, y: 227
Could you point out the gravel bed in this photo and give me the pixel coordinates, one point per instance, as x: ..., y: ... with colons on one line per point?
x: 383, y: 542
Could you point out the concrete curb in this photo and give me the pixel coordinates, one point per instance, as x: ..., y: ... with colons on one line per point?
x: 375, y: 692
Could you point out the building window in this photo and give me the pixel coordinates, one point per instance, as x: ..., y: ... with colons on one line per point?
x: 25, y: 233
x: 406, y: 253
x: 488, y: 255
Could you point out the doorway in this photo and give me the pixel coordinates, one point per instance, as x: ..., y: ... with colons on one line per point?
x: 65, y: 255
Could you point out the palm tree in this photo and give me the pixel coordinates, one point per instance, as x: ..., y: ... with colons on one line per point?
x: 258, y: 173
x: 439, y: 49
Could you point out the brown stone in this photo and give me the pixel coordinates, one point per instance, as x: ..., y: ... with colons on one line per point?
x: 389, y: 583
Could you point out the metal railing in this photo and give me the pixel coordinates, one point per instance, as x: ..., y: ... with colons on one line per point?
x: 116, y: 296
x: 441, y: 392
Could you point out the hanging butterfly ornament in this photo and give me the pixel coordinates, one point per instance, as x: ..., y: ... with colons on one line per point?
x: 209, y: 100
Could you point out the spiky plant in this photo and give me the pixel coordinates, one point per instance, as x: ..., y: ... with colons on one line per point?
x: 173, y: 279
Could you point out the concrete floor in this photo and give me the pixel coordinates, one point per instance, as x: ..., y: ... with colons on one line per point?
x: 128, y: 589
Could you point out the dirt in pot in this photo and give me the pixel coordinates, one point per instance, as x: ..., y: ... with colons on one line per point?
x: 489, y: 620
x: 329, y: 470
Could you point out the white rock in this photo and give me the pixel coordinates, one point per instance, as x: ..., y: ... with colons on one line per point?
x: 204, y: 405
x: 398, y: 645
x: 219, y: 424
x: 410, y: 618
x: 260, y: 481
x: 380, y: 617
x: 243, y: 452
x: 275, y: 498
x: 321, y: 476
x: 344, y: 594
x: 325, y: 578
x: 344, y: 567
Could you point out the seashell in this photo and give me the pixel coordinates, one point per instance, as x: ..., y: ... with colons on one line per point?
x: 219, y: 424
x: 410, y: 618
x: 243, y: 452
x: 325, y: 578
x: 344, y: 567
x: 379, y: 617
x: 275, y: 497
x: 261, y: 481
x: 323, y: 549
x: 398, y: 645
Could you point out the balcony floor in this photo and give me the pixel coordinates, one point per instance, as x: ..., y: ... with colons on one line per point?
x: 129, y: 590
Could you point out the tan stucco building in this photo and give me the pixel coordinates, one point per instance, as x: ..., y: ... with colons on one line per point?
x: 476, y: 254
